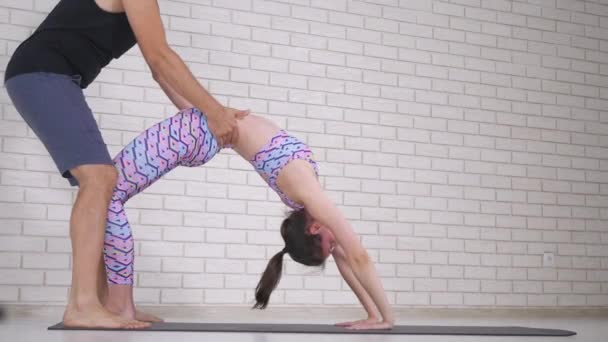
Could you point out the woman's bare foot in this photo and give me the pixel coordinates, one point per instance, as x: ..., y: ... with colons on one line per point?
x: 95, y: 316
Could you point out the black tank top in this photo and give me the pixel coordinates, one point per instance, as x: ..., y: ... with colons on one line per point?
x: 77, y: 37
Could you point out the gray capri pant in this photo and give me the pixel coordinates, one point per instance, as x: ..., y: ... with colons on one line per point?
x: 54, y: 107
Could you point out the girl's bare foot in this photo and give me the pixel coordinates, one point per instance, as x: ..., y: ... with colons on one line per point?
x: 95, y: 316
x: 146, y: 317
x: 129, y: 312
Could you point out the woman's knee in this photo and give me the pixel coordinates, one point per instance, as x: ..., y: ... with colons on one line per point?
x: 103, y: 177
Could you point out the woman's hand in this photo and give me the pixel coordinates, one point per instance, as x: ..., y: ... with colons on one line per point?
x: 223, y: 124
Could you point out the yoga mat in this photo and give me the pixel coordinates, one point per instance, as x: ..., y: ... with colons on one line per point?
x: 330, y: 329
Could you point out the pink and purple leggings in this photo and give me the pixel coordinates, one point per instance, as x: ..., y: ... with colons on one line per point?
x: 182, y: 140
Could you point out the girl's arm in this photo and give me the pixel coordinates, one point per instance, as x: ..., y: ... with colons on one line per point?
x: 322, y: 209
x: 297, y: 180
x: 373, y: 316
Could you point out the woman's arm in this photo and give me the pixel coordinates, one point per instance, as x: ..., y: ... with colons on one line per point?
x: 144, y: 19
x: 297, y: 180
x: 373, y: 315
x: 179, y: 101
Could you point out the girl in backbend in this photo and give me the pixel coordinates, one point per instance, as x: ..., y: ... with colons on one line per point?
x: 314, y: 229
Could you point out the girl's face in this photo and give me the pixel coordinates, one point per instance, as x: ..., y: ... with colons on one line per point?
x: 328, y: 242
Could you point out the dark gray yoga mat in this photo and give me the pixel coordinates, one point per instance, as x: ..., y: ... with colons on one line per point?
x: 330, y: 329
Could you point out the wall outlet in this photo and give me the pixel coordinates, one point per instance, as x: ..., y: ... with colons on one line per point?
x: 548, y: 259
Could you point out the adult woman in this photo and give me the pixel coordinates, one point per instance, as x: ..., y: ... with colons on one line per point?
x: 45, y: 78
x: 314, y: 229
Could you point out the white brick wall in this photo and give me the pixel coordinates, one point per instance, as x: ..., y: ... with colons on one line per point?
x: 462, y: 138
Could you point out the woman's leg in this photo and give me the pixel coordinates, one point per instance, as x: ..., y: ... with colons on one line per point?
x: 183, y: 139
x: 84, y: 308
x: 54, y: 107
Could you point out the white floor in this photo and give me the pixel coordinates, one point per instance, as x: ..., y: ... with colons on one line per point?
x: 25, y: 324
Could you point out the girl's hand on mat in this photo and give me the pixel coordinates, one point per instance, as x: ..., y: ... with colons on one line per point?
x: 223, y: 125
x: 361, y: 321
x: 372, y: 326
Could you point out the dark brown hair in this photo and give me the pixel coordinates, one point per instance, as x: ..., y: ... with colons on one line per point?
x: 301, y: 246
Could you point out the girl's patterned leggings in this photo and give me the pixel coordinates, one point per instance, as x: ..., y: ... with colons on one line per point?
x: 183, y: 139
